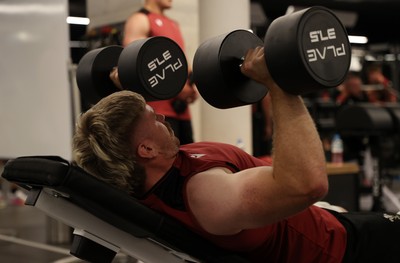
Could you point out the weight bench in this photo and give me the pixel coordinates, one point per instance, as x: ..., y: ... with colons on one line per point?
x: 106, y: 220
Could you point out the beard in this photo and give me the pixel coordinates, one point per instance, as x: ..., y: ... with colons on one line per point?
x: 171, y: 146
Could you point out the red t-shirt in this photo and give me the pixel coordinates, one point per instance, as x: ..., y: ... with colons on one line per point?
x: 161, y: 25
x: 313, y: 235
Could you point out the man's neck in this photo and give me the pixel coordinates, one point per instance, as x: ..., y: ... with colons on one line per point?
x: 153, y: 8
x: 156, y: 171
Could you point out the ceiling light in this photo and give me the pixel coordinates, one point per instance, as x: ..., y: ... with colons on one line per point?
x: 358, y: 39
x: 78, y: 20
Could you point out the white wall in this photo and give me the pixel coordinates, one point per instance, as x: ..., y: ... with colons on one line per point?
x: 35, y: 95
x: 103, y: 12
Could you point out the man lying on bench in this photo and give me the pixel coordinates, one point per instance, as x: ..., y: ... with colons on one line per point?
x: 263, y: 212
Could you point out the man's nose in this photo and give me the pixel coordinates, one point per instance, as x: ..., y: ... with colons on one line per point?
x: 160, y: 117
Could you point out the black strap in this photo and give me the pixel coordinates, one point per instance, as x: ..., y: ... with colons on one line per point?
x: 143, y: 11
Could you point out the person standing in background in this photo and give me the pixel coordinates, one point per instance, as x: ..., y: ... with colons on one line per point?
x: 383, y: 94
x: 352, y: 91
x: 151, y: 21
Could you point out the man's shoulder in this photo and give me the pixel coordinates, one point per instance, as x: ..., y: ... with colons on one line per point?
x: 213, y: 151
x: 208, y: 145
x: 138, y: 16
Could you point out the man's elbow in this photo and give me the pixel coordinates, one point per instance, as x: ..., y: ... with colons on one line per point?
x: 318, y: 187
x: 319, y: 192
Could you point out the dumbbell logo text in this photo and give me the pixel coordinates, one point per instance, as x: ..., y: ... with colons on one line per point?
x: 162, y: 65
x: 317, y: 36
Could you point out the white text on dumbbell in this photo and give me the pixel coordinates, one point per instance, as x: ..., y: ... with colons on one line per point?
x: 318, y: 35
x: 158, y: 63
x: 322, y: 53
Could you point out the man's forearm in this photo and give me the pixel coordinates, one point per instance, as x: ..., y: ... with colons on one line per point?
x: 299, y: 159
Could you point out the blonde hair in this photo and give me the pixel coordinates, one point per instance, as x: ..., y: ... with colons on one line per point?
x: 101, y: 143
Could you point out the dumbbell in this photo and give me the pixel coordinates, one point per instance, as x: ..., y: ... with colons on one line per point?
x: 305, y: 51
x: 155, y: 67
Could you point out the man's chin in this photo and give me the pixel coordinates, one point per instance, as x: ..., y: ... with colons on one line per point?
x: 177, y: 142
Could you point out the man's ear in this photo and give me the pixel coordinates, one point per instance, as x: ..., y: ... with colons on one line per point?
x: 146, y: 150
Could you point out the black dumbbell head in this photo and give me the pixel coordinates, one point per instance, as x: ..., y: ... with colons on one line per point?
x: 155, y: 67
x: 216, y: 70
x: 93, y: 73
x: 307, y: 50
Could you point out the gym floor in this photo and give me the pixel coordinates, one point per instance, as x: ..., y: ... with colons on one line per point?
x: 24, y: 237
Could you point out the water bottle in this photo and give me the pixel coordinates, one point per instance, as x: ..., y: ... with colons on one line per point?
x: 337, y: 149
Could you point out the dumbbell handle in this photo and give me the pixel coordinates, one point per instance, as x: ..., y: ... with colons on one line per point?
x: 114, y: 78
x: 241, y: 61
